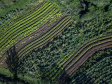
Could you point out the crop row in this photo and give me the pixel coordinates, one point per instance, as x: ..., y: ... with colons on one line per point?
x: 70, y: 55
x: 21, y: 26
x: 23, y: 20
x: 36, y: 40
x: 32, y: 34
x: 83, y: 48
x: 55, y: 71
x: 86, y: 55
x: 24, y: 28
x: 17, y: 18
x: 46, y: 37
x: 86, y: 49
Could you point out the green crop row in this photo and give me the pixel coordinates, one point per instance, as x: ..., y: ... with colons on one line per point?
x: 22, y: 21
x: 85, y: 50
x: 26, y: 13
x: 41, y: 39
x: 21, y: 31
x: 32, y: 26
x: 82, y: 48
x: 27, y: 23
x: 31, y: 31
x: 51, y: 72
x: 56, y: 32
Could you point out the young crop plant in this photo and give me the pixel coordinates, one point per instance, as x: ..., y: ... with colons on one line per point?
x: 96, y: 69
x: 27, y: 25
x: 56, y: 42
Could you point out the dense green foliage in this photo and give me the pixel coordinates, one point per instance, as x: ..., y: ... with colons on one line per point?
x: 92, y: 20
x: 83, y: 10
x: 7, y: 6
x: 97, y: 69
x: 81, y: 32
x: 64, y: 22
x: 15, y: 31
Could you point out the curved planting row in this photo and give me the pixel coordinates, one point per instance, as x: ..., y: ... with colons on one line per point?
x: 21, y: 42
x: 17, y: 31
x: 43, y: 37
x: 72, y: 55
x: 28, y: 39
x: 67, y: 61
x: 99, y: 71
x: 12, y: 21
x: 80, y: 61
x: 75, y: 61
x: 24, y: 27
x: 86, y: 46
x: 46, y: 37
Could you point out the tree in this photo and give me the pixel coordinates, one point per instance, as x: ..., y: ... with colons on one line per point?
x: 12, y: 61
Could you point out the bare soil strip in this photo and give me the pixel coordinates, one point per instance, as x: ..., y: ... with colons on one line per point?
x: 42, y: 30
x: 84, y: 57
x: 81, y: 49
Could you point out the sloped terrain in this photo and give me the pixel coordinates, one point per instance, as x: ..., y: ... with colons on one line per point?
x: 52, y: 41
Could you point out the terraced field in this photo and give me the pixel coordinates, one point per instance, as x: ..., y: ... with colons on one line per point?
x: 78, y: 58
x: 18, y: 30
x: 55, y: 44
x: 97, y: 69
x: 38, y: 37
x: 73, y: 60
x: 103, y: 66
